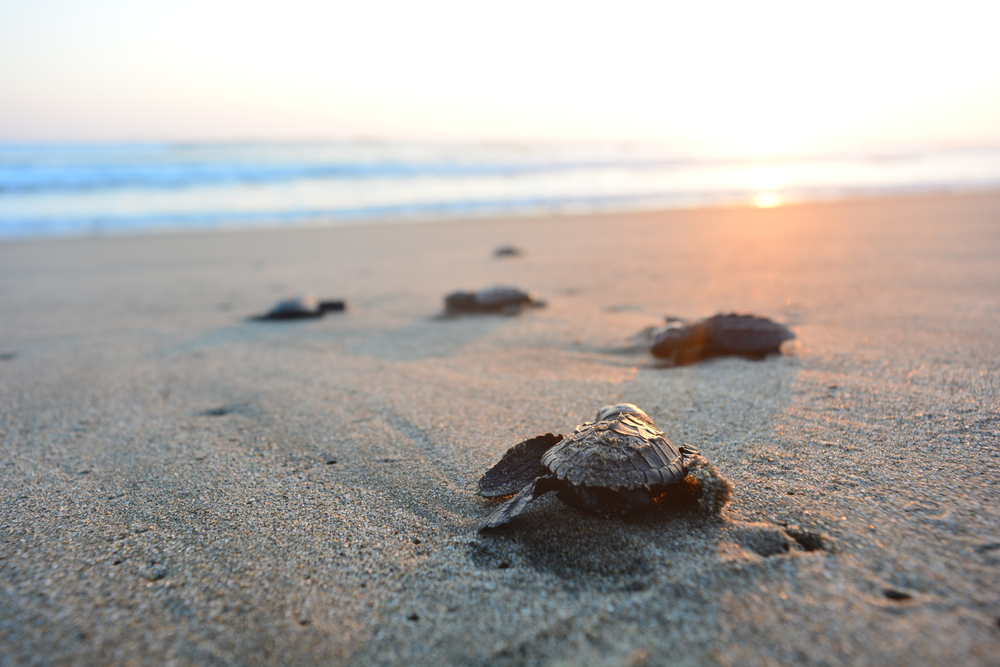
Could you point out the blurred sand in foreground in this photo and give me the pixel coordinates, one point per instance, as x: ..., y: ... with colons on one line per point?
x: 182, y: 485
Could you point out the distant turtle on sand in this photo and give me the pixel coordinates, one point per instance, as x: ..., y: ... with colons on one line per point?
x: 744, y: 335
x: 508, y: 251
x: 498, y: 299
x: 616, y: 465
x: 301, y: 307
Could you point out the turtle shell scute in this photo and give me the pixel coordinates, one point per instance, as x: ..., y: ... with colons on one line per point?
x: 622, y: 453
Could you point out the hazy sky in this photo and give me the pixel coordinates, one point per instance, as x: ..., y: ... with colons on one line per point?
x: 745, y: 76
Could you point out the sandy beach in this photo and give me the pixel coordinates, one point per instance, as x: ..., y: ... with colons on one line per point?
x: 181, y: 485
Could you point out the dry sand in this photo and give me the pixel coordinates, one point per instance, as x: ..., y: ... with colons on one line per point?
x: 170, y: 493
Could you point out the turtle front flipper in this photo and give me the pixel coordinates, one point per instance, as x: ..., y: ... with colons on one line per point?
x: 521, y: 464
x: 511, y: 508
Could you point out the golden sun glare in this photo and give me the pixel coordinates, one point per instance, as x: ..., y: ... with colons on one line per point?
x: 767, y: 199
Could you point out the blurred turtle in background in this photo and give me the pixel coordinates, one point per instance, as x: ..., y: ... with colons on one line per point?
x: 301, y: 307
x: 749, y: 336
x: 508, y: 251
x: 497, y: 299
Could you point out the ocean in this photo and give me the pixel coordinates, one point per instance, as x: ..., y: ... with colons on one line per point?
x: 51, y: 190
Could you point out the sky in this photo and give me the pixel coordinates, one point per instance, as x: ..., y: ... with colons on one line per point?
x: 757, y: 78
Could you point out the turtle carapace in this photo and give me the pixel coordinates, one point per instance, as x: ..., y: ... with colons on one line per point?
x: 616, y: 465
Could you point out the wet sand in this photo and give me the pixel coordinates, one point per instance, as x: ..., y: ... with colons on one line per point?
x: 181, y: 485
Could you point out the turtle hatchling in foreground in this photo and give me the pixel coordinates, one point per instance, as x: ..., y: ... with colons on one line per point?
x: 745, y: 335
x: 616, y: 465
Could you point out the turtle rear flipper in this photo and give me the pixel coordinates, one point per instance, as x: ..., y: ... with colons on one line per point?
x: 332, y: 306
x: 521, y: 464
x: 511, y: 508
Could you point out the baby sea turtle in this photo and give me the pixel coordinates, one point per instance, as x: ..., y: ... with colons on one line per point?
x: 745, y: 335
x: 497, y: 299
x: 616, y: 465
x: 508, y: 251
x: 300, y: 307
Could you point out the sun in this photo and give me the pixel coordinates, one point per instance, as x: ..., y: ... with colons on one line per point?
x: 767, y: 199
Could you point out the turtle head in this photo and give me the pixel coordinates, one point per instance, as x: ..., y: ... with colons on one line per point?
x: 612, y: 411
x: 673, y: 335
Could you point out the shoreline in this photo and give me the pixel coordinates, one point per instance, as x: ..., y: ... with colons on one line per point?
x: 183, y: 485
x: 326, y: 221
